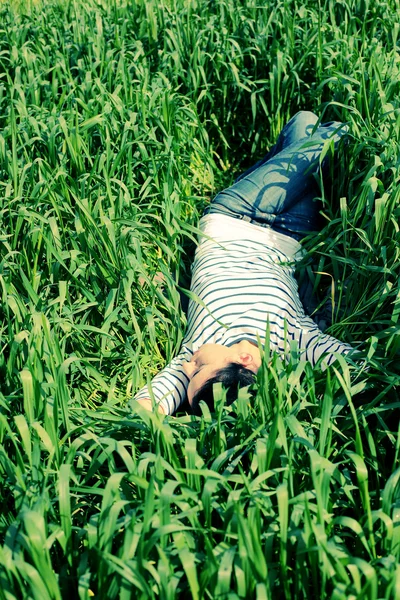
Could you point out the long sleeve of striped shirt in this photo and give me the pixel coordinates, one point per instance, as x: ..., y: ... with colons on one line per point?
x: 242, y: 282
x: 169, y: 385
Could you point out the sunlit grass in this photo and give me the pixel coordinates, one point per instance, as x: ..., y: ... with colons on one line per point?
x: 118, y: 123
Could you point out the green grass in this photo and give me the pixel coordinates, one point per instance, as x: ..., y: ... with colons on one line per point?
x: 118, y: 123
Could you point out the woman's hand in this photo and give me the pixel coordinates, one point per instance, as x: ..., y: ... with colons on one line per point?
x: 148, y: 405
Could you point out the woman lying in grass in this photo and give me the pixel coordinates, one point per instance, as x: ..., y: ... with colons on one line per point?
x: 243, y: 274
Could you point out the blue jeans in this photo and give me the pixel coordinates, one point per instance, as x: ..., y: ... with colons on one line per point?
x: 280, y: 190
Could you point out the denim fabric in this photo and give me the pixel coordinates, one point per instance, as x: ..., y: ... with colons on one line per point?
x: 280, y: 190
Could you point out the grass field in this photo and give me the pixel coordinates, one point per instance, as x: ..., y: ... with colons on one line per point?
x: 118, y: 122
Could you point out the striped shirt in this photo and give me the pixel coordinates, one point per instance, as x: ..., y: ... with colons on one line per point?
x: 242, y: 282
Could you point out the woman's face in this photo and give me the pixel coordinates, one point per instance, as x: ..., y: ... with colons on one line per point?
x: 210, y: 358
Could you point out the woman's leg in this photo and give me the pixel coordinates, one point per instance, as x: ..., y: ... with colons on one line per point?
x: 280, y: 191
x: 299, y: 127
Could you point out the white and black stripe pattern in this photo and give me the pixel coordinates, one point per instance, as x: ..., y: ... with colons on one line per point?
x: 242, y: 280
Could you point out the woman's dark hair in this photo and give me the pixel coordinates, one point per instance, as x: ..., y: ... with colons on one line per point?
x: 233, y: 377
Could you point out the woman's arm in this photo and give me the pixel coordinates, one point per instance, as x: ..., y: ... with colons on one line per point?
x: 313, y: 344
x: 168, y: 387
